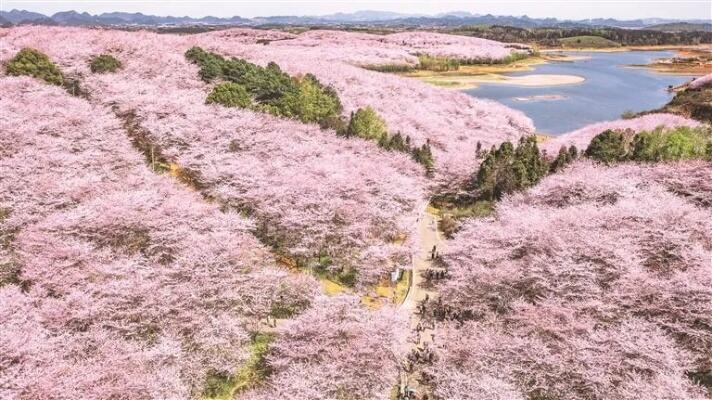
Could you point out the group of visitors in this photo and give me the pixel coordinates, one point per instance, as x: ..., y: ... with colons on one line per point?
x: 432, y: 274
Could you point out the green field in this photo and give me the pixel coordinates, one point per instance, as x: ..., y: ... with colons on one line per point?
x: 587, y: 42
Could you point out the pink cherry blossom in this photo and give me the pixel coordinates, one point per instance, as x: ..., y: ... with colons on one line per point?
x: 337, y: 349
x: 310, y: 191
x: 452, y: 121
x: 701, y: 81
x: 132, y: 286
x: 596, y: 283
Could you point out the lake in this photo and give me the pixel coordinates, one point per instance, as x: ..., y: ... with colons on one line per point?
x: 610, y: 89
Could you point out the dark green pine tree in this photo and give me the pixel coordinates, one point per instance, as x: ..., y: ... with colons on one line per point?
x: 534, y: 165
x: 607, y: 147
x: 565, y: 157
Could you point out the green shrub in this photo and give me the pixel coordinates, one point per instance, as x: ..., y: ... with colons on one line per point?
x: 311, y: 102
x: 230, y: 95
x: 210, y: 64
x: 437, y: 63
x: 668, y: 145
x: 573, y: 152
x: 366, y: 123
x: 661, y: 144
x: 221, y: 385
x: 273, y: 90
x: 104, y: 63
x: 608, y: 147
x: 422, y: 155
x: 390, y: 68
x: 33, y: 63
x: 396, y: 142
x: 267, y: 85
x: 491, y: 174
x: 195, y: 55
x: 534, y: 164
x: 629, y: 114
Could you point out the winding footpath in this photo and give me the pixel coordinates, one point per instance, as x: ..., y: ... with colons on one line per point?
x: 428, y: 236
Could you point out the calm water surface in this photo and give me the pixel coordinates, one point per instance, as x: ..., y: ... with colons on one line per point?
x: 609, y: 90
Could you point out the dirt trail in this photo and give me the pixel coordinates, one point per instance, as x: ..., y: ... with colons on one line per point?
x: 428, y: 236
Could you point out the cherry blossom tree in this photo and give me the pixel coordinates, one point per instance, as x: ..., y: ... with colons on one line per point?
x: 594, y: 284
x: 702, y: 81
x: 119, y: 282
x: 452, y: 121
x: 127, y: 285
x: 337, y: 349
x: 312, y: 193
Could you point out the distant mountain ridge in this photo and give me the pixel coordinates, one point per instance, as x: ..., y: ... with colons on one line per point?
x: 17, y: 16
x: 681, y: 27
x: 365, y: 17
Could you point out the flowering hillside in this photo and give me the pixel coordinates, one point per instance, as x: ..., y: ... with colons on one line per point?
x: 115, y: 282
x: 336, y: 46
x: 595, y: 284
x: 394, y: 49
x: 310, y: 192
x: 461, y: 47
x: 220, y: 215
x: 453, y: 122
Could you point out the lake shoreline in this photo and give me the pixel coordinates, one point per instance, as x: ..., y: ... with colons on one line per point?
x: 625, y: 48
x: 610, y: 88
x: 467, y: 82
x: 686, y: 61
x: 471, y: 76
x: 678, y: 65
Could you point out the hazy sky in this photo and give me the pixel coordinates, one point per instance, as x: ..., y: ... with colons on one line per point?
x: 576, y: 9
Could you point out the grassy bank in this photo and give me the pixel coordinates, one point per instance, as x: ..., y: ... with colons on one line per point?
x: 547, y: 50
x: 686, y: 61
x: 250, y: 374
x: 587, y: 42
x: 469, y: 76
